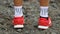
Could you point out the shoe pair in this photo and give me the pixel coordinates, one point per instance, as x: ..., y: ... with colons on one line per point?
x: 43, y: 23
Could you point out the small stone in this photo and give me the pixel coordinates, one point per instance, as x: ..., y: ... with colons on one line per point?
x: 53, y: 33
x: 27, y: 32
x: 19, y: 30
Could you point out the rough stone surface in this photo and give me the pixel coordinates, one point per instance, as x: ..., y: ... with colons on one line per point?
x: 31, y: 14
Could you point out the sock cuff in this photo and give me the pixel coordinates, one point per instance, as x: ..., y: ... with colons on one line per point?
x: 44, y: 7
x: 18, y: 11
x: 17, y: 6
x: 44, y: 11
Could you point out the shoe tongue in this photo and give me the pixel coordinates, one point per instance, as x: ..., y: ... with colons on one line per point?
x: 44, y: 17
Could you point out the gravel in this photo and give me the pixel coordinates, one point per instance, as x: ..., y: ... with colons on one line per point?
x: 31, y: 15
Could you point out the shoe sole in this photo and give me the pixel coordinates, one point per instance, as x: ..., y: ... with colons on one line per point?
x: 18, y: 26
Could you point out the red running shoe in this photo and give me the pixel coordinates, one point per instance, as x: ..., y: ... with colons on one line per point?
x: 18, y: 22
x: 44, y: 23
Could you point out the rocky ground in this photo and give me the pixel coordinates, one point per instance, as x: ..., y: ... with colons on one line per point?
x: 31, y: 14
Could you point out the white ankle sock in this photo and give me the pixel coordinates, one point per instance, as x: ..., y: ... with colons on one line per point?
x: 18, y: 11
x: 44, y: 11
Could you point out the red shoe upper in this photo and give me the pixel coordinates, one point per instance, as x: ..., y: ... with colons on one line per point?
x: 18, y: 20
x: 44, y: 22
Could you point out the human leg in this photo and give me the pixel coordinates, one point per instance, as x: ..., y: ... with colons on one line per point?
x: 18, y: 19
x: 44, y: 20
